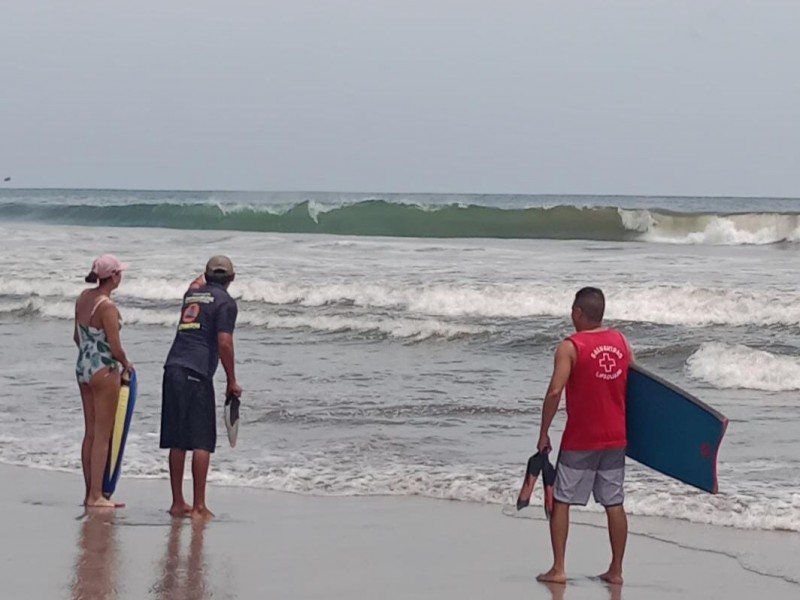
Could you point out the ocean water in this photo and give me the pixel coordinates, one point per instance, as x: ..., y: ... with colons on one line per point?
x: 401, y: 345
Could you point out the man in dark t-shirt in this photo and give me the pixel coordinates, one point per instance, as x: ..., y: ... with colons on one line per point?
x: 188, y: 410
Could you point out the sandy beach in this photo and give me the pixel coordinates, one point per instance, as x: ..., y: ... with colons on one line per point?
x: 409, y: 199
x: 268, y: 544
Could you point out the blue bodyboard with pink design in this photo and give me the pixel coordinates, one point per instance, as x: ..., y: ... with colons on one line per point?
x: 672, y: 431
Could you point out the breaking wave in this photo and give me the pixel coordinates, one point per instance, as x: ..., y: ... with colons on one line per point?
x: 379, y: 305
x: 727, y: 366
x: 401, y: 219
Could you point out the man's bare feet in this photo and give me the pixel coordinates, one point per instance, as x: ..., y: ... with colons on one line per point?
x: 202, y: 513
x: 103, y: 503
x: 612, y: 577
x: 178, y: 510
x: 553, y: 576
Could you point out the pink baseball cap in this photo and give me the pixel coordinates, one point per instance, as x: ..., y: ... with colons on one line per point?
x: 104, y: 267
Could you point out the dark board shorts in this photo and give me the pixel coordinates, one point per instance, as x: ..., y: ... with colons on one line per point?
x: 188, y: 411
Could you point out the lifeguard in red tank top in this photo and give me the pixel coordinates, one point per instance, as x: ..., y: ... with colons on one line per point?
x: 596, y: 392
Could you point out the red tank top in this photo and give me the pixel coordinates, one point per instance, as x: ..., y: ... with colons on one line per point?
x: 596, y: 392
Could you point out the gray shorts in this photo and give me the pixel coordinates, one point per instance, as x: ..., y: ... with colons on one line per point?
x: 601, y: 472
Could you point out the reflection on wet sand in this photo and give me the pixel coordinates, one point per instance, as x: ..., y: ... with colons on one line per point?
x: 558, y: 591
x: 95, y: 570
x: 183, y: 580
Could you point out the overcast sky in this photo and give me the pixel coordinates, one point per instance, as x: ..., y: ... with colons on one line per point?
x: 686, y: 97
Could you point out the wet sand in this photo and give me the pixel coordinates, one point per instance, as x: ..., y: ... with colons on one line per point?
x: 266, y: 544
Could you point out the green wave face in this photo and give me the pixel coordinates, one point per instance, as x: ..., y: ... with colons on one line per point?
x: 384, y: 218
x: 369, y: 218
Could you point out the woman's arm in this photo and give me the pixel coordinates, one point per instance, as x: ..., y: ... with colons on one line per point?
x: 75, y: 337
x: 110, y: 320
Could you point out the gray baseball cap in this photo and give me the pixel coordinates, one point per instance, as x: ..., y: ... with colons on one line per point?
x: 219, y: 265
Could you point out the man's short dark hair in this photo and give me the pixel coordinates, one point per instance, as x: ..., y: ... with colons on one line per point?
x: 592, y: 303
x: 219, y: 278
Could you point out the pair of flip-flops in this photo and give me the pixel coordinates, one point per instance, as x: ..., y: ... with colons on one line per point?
x: 539, y: 463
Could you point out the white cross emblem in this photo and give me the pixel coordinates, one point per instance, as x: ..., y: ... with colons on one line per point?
x: 607, y: 362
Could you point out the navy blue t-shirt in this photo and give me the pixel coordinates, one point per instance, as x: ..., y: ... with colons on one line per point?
x: 207, y: 311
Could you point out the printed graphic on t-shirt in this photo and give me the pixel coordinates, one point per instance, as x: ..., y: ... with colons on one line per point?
x: 190, y: 313
x: 608, y: 360
x: 192, y: 305
x: 199, y: 297
x: 189, y: 317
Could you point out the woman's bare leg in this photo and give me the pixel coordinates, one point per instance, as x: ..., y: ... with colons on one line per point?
x: 105, y: 389
x: 88, y: 435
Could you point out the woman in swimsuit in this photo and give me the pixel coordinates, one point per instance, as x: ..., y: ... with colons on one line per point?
x: 100, y: 356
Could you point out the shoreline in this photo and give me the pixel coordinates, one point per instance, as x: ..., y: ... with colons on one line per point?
x: 590, y: 516
x: 291, y: 545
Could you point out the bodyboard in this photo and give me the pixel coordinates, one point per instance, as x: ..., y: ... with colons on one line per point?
x: 672, y: 431
x: 119, y: 435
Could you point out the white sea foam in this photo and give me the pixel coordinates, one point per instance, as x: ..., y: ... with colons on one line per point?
x: 720, y: 230
x: 686, y: 305
x: 743, y: 510
x: 637, y: 220
x: 417, y: 329
x: 227, y: 208
x: 316, y: 208
x: 144, y: 288
x: 669, y: 305
x: 325, y: 476
x: 40, y: 287
x: 411, y: 329
x: 735, y: 366
x: 492, y: 486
